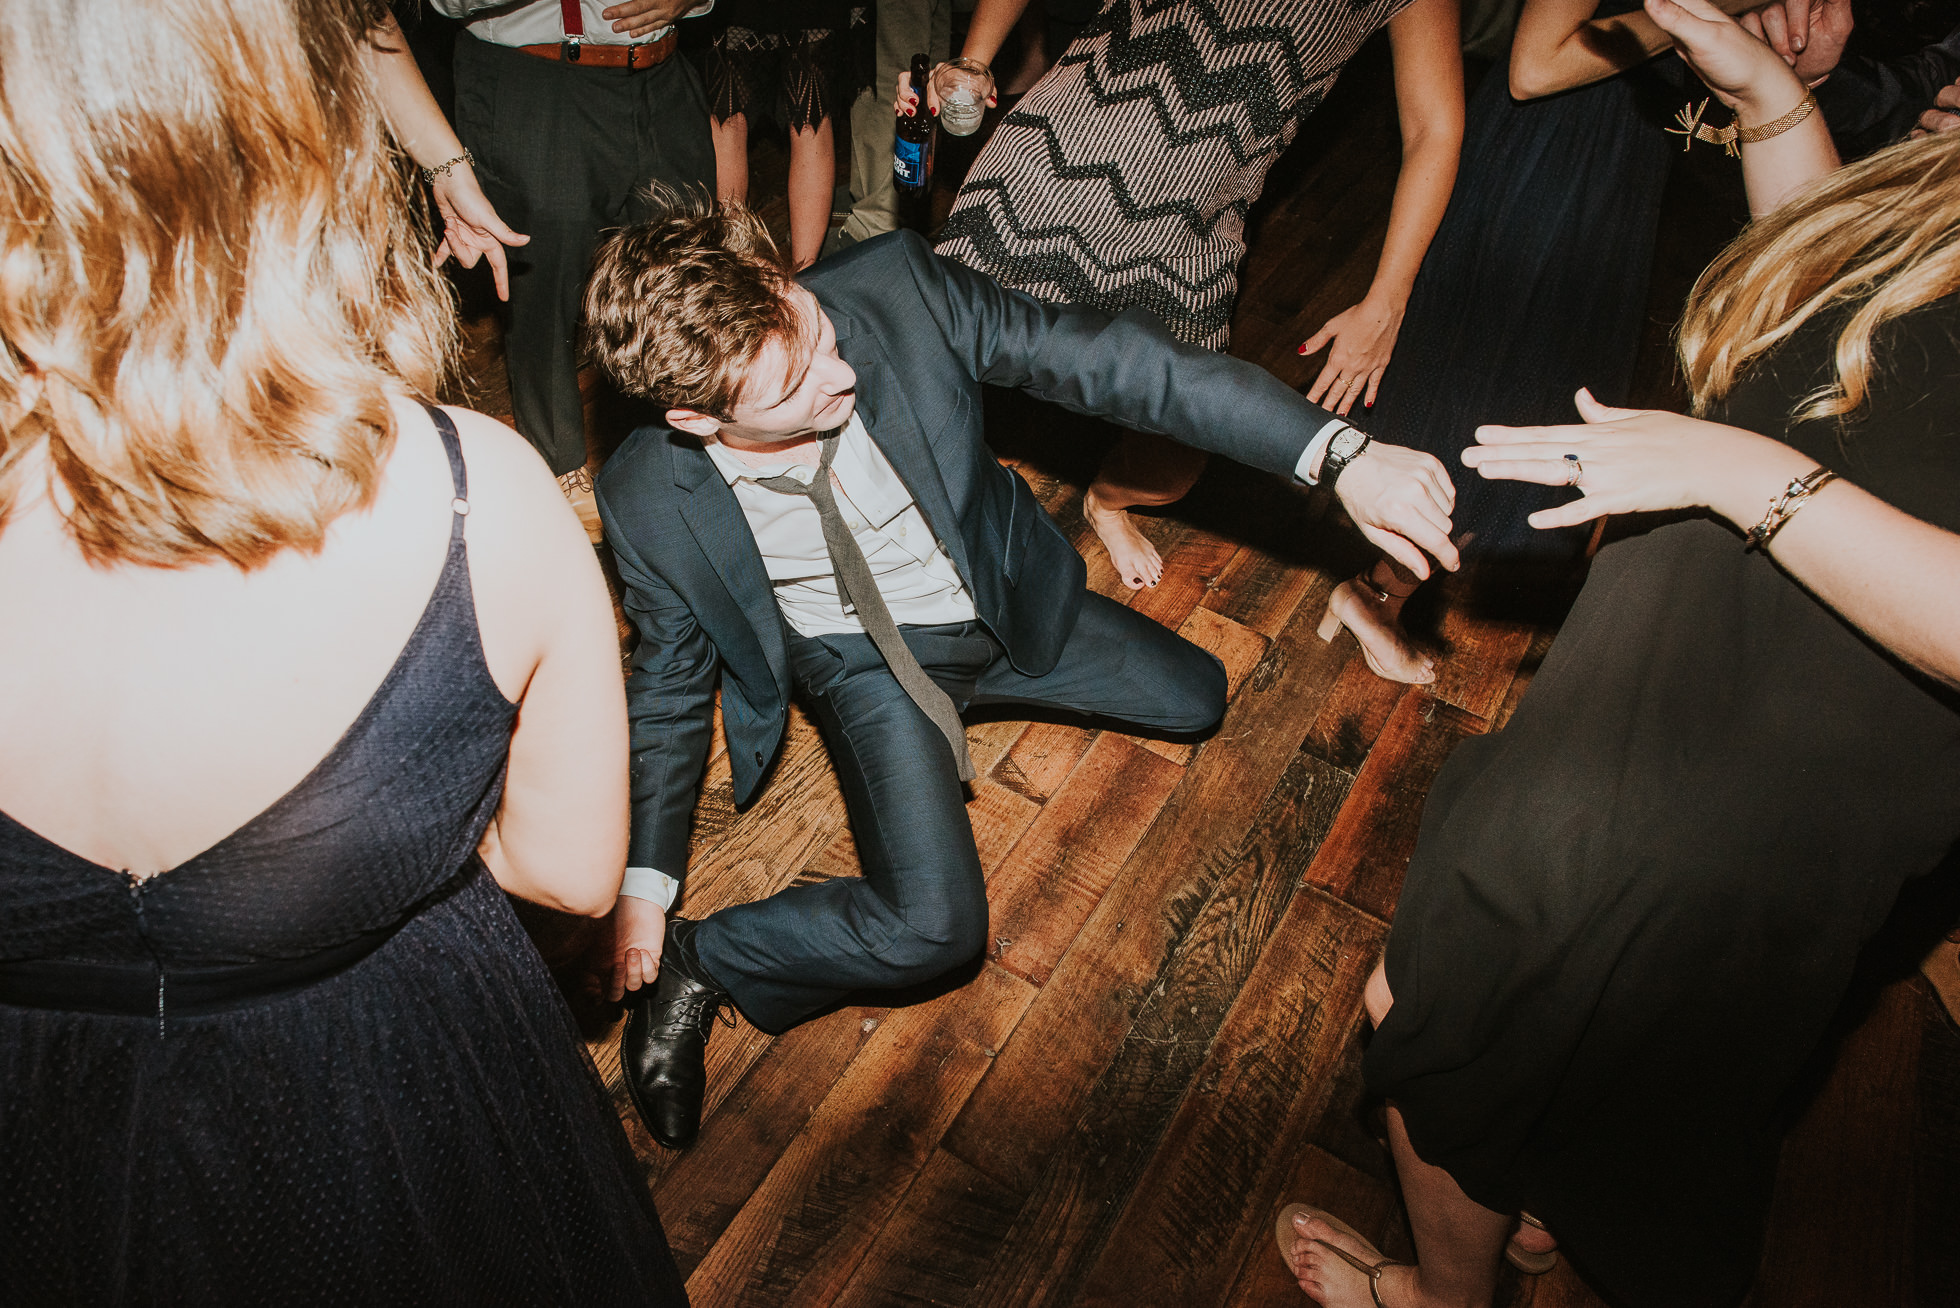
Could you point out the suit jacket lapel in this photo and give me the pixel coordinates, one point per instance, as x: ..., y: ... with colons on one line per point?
x: 710, y: 510
x: 895, y: 429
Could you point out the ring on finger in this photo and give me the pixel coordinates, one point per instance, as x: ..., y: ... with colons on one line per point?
x: 1574, y: 470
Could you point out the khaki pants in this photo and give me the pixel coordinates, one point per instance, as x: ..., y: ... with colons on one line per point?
x: 905, y: 28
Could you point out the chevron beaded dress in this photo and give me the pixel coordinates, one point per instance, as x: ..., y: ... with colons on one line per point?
x: 1122, y: 180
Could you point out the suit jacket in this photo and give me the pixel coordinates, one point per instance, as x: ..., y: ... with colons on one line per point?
x: 1870, y: 103
x: 924, y: 334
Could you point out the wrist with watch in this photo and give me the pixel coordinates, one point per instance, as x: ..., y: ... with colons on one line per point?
x: 1344, y: 448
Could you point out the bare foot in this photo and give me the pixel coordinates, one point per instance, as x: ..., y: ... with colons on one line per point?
x: 1338, y: 1282
x: 1136, y: 559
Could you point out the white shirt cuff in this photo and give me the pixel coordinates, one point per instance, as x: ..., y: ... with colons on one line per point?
x: 645, y: 883
x: 1310, y: 455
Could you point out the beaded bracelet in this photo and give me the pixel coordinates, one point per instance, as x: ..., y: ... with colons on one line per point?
x: 1734, y: 136
x: 1785, y: 506
x: 430, y: 174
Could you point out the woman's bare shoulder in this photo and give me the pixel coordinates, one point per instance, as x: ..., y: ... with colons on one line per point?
x: 529, y: 558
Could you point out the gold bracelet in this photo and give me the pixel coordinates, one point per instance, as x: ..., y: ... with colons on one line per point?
x: 1732, y: 137
x: 1785, y: 506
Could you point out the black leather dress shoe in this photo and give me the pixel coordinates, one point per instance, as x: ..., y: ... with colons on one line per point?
x: 664, y: 1050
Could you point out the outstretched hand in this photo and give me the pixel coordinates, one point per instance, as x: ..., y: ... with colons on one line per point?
x: 1401, y: 499
x: 1363, y: 338
x: 1638, y: 461
x: 1740, y: 68
x: 471, y: 227
x: 639, y: 934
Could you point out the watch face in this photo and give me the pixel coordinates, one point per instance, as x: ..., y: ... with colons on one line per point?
x: 1346, y: 444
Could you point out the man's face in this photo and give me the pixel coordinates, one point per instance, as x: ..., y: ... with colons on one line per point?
x: 792, y: 388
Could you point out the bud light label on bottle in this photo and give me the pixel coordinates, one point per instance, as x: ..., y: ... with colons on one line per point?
x: 909, y: 162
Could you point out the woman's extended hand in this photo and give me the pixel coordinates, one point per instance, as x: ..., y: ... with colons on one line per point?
x: 471, y: 228
x: 1639, y: 461
x: 1743, y: 71
x: 1363, y: 338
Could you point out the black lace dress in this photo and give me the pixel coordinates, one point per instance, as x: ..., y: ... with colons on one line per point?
x: 800, y: 61
x: 319, y: 1062
x: 1632, y: 912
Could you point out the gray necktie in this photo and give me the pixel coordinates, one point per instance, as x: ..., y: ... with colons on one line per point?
x: 859, y: 591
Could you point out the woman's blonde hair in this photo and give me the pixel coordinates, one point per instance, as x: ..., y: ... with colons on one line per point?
x: 1885, y: 231
x: 211, y: 277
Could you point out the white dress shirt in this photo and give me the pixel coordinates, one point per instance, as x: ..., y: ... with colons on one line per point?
x: 540, y: 22
x: 913, y: 571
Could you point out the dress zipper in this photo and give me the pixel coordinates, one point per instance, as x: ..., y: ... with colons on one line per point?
x: 143, y: 928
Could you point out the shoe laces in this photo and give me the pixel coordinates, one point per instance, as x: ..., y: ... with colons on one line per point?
x: 701, y: 1011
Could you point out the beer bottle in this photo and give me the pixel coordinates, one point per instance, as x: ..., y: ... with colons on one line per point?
x: 912, y: 147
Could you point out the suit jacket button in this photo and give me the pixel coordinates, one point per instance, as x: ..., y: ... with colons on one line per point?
x: 758, y: 757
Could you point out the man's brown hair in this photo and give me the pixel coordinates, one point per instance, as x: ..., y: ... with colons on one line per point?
x: 679, y: 307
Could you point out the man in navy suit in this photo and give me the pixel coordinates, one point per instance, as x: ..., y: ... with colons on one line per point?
x: 821, y: 518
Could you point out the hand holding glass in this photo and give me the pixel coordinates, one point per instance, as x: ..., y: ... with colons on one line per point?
x: 958, y: 93
x: 964, y: 89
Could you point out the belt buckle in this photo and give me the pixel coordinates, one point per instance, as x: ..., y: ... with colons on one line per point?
x: 568, y: 49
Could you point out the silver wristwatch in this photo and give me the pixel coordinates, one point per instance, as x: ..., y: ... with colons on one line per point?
x: 1345, y: 447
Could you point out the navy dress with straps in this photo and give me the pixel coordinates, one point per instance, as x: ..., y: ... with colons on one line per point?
x: 319, y: 1062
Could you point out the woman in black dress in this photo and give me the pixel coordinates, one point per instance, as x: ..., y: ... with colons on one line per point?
x: 796, y: 62
x: 1633, y: 911
x: 297, y: 678
x: 1535, y: 285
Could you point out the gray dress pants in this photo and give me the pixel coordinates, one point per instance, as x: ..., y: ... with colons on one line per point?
x: 564, y: 151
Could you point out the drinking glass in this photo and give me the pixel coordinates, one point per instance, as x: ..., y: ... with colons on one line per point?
x: 963, y: 86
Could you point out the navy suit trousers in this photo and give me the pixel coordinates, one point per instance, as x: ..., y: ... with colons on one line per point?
x: 920, y: 909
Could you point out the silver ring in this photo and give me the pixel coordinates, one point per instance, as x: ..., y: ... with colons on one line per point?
x: 1575, y: 468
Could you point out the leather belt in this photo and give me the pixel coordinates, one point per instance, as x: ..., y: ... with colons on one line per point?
x: 589, y: 54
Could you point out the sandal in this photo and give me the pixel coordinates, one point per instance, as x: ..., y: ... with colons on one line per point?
x: 1531, y: 1264
x: 1288, y: 1233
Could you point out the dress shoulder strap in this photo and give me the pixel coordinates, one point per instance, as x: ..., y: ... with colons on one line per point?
x: 459, y: 475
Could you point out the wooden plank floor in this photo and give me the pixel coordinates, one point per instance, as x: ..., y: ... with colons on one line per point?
x: 1163, y: 1042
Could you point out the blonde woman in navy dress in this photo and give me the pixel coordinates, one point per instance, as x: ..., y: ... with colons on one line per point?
x: 299, y: 677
